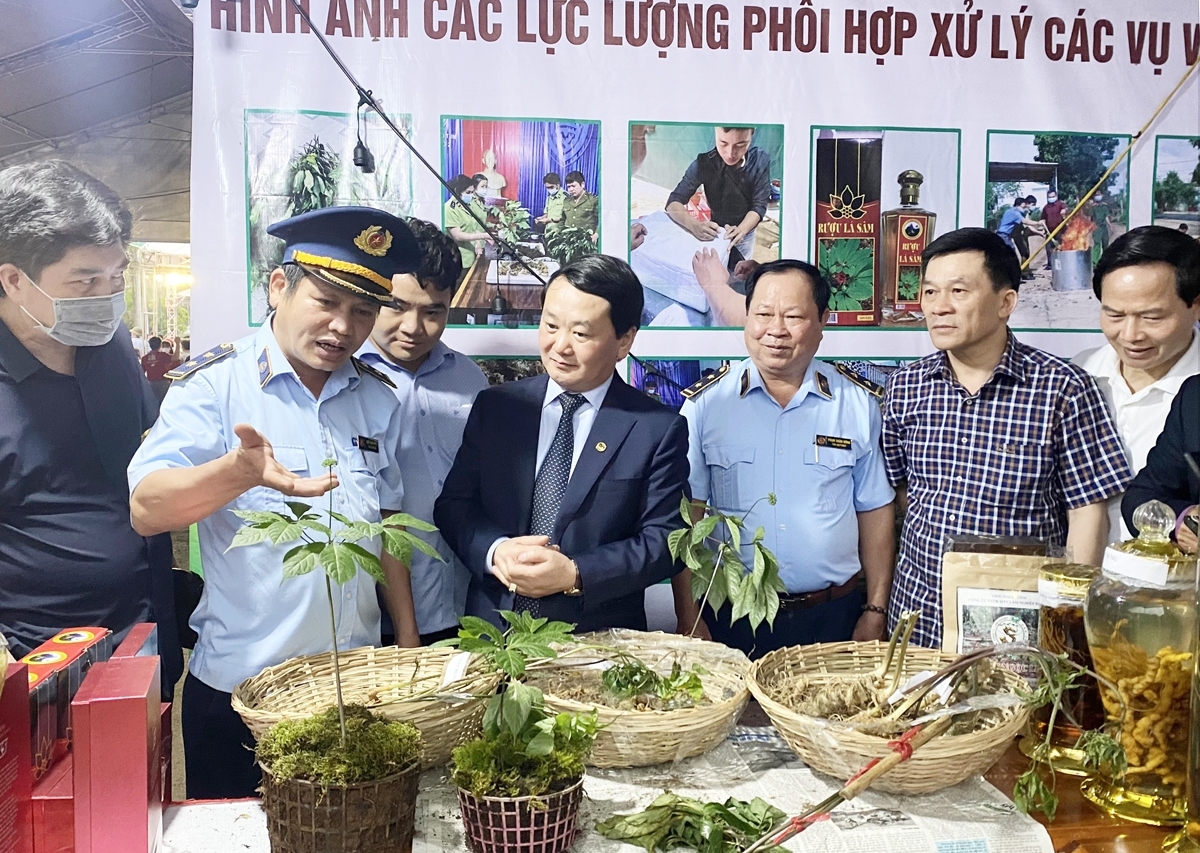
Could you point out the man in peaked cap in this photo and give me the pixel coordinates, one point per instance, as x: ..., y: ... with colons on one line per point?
x: 246, y: 426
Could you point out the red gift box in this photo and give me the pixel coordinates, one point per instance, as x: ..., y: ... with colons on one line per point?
x: 54, y: 810
x: 16, y: 773
x: 56, y: 670
x: 118, y: 761
x: 141, y: 641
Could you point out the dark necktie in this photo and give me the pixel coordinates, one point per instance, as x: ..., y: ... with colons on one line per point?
x: 551, y: 484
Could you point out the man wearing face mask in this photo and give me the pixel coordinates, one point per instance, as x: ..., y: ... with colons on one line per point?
x: 554, y: 214
x: 73, y: 407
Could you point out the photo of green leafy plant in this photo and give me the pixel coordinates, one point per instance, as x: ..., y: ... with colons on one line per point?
x: 849, y: 265
x: 297, y: 161
x: 909, y: 285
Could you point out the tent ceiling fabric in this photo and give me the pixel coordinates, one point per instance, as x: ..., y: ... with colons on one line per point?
x: 107, y: 85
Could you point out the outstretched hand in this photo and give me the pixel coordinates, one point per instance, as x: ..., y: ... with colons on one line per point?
x: 255, y: 459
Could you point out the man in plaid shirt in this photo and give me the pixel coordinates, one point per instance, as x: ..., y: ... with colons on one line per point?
x: 988, y: 435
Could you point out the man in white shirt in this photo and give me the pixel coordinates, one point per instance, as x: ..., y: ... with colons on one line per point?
x: 436, y: 387
x: 1148, y: 284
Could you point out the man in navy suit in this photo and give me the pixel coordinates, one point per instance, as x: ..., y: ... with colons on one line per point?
x: 1167, y: 476
x: 566, y: 486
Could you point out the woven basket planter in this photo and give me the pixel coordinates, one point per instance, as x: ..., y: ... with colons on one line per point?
x: 841, y: 752
x: 545, y: 824
x: 642, y: 738
x: 369, y: 817
x: 399, y: 684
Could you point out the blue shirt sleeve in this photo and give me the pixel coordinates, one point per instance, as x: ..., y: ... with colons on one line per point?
x: 697, y: 469
x: 1009, y: 220
x: 189, y: 431
x: 871, y: 488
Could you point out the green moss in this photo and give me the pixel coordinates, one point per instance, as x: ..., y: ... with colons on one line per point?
x: 311, y: 749
x: 499, y: 767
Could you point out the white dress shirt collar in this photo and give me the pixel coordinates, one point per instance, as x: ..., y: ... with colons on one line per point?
x: 594, y: 397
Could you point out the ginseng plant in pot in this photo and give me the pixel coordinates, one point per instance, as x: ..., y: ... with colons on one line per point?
x: 520, y: 782
x: 344, y: 780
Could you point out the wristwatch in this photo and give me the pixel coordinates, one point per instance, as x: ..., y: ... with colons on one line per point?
x: 575, y: 587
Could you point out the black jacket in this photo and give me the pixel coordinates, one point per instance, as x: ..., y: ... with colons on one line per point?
x: 1167, y: 476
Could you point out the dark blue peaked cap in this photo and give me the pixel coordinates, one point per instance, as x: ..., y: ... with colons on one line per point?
x: 358, y: 249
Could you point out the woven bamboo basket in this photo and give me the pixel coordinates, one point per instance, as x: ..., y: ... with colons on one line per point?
x: 841, y: 752
x: 399, y: 684
x: 640, y: 738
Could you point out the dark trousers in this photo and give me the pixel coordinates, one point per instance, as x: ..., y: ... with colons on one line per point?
x: 218, y: 748
x: 831, y: 622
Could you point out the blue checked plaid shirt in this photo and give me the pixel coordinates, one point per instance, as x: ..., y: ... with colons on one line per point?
x: 1010, y: 460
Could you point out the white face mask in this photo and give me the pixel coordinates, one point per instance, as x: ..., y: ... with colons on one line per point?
x: 83, y: 321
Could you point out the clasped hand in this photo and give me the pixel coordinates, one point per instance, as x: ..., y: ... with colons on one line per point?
x: 531, y: 566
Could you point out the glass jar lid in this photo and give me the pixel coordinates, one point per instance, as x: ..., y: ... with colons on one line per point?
x: 1065, y: 583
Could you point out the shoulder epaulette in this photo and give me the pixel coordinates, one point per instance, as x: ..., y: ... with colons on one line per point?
x: 704, y: 382
x: 362, y: 367
x: 203, y: 360
x: 855, y: 374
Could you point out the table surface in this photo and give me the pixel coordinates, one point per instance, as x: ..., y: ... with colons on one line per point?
x: 1079, y: 827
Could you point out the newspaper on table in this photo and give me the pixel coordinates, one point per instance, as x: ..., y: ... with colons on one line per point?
x: 972, y: 817
x: 663, y: 262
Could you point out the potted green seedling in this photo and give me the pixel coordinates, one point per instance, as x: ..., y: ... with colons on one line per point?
x: 520, y: 782
x: 346, y: 779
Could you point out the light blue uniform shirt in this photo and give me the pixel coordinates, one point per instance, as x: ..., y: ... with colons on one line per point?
x: 434, y: 404
x: 249, y: 617
x: 742, y: 445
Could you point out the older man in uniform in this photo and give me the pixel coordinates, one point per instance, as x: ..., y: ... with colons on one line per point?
x: 782, y: 422
x: 247, y: 426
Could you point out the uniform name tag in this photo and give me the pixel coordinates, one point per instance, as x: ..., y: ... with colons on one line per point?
x: 366, y: 444
x: 834, y: 442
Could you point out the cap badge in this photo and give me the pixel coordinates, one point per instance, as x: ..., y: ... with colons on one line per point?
x: 374, y: 240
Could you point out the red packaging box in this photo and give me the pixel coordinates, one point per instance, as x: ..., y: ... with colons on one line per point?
x: 16, y: 774
x: 56, y: 670
x: 54, y: 809
x: 118, y: 761
x: 141, y: 641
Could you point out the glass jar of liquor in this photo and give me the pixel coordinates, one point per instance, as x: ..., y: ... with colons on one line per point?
x: 907, y: 230
x: 1141, y: 626
x: 1063, y: 589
